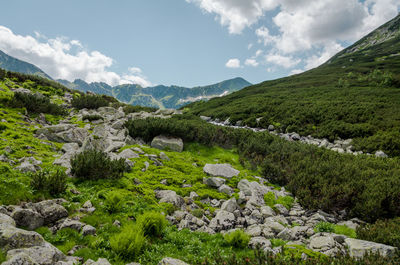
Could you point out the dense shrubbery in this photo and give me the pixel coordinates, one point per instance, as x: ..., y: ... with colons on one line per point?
x: 35, y: 103
x: 114, y: 202
x: 367, y: 187
x: 130, y: 109
x: 93, y: 165
x: 89, y: 101
x: 152, y: 223
x: 383, y: 231
x: 51, y: 181
x: 129, y: 243
x: 92, y: 117
x: 237, y: 239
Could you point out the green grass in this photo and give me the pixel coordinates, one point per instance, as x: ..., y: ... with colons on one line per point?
x: 337, y: 229
x: 286, y: 201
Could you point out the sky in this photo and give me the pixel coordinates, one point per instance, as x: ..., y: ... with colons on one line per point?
x: 184, y: 42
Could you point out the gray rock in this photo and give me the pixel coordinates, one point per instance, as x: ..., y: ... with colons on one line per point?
x: 13, y: 238
x: 88, y: 230
x: 51, y: 211
x: 205, y: 118
x: 114, y: 146
x: 6, y: 220
x: 221, y: 170
x: 226, y: 189
x: 222, y: 221
x: 128, y: 154
x: 194, y: 196
x: 254, y: 230
x: 171, y: 261
x: 20, y: 259
x: 260, y: 242
x: 285, y: 234
x: 170, y: 196
x: 358, y: 248
x: 267, y: 211
x: 230, y: 205
x: 74, y: 135
x: 214, y: 182
x: 100, y: 261
x: 43, y: 255
x: 273, y: 225
x: 27, y: 218
x: 281, y: 209
x: 70, y: 148
x: 167, y: 143
x: 381, y: 154
x: 163, y: 156
x: 26, y: 167
x: 72, y: 224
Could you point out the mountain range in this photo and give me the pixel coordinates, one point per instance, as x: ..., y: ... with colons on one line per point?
x: 159, y: 96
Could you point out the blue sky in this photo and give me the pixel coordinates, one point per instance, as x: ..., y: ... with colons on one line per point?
x: 184, y: 42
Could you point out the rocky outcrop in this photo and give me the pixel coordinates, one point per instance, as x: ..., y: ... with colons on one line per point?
x: 221, y: 170
x: 167, y: 143
x: 358, y: 248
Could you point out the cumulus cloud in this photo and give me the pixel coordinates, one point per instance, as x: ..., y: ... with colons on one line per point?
x: 64, y: 59
x: 135, y: 76
x: 251, y: 62
x: 233, y: 63
x: 281, y: 60
x: 328, y: 51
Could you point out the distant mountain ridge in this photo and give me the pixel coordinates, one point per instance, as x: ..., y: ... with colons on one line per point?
x: 160, y: 96
x: 13, y: 64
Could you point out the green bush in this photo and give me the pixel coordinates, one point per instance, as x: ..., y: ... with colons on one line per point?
x: 89, y: 102
x: 129, y: 243
x: 344, y: 230
x: 131, y: 109
x: 277, y: 242
x: 114, y: 202
x: 237, y: 239
x: 198, y: 213
x: 92, y: 117
x: 169, y: 208
x: 152, y: 223
x: 271, y: 200
x: 49, y: 180
x: 382, y: 231
x: 35, y: 103
x: 324, y: 227
x: 94, y: 165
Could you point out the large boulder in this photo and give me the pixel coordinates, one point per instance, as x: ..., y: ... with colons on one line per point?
x: 167, y: 143
x: 223, y: 220
x: 20, y: 259
x: 51, y: 211
x: 43, y: 255
x: 74, y: 135
x: 214, y: 182
x: 221, y: 170
x: 128, y: 153
x: 6, y: 220
x: 230, y: 205
x: 171, y: 261
x: 358, y: 248
x: 51, y: 132
x: 27, y: 218
x: 13, y: 238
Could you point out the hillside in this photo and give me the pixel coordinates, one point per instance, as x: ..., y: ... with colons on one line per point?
x: 355, y: 94
x: 160, y: 96
x: 85, y: 177
x: 13, y: 64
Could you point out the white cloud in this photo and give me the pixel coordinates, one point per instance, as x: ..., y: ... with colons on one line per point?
x: 281, y: 60
x: 233, y: 63
x: 64, y: 59
x: 236, y: 14
x: 328, y: 51
x: 296, y: 71
x: 264, y: 36
x: 251, y: 62
x: 135, y: 76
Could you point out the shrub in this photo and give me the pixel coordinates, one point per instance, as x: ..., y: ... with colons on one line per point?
x: 52, y: 181
x: 94, y: 165
x: 168, y: 207
x: 277, y: 242
x: 35, y: 103
x: 271, y: 200
x: 152, y: 223
x: 237, y: 239
x: 114, y: 202
x: 344, y: 230
x: 129, y: 243
x: 92, y: 117
x: 198, y: 213
x: 382, y: 231
x: 131, y: 109
x: 89, y: 102
x: 324, y: 227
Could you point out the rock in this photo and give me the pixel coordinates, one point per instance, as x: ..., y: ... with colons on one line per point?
x: 13, y: 238
x: 128, y: 154
x: 381, y: 154
x: 226, y: 189
x: 222, y: 221
x: 285, y: 234
x: 51, y: 211
x: 88, y: 230
x: 358, y: 248
x: 171, y: 261
x: 70, y: 148
x: 163, y: 156
x: 43, y: 255
x: 20, y: 259
x: 6, y: 220
x: 193, y: 195
x: 170, y: 196
x: 273, y: 225
x: 114, y: 146
x: 205, y: 118
x: 72, y: 224
x: 281, y: 209
x: 100, y: 261
x: 254, y: 230
x: 74, y: 135
x: 26, y: 167
x: 259, y: 242
x: 214, y: 182
x: 221, y: 170
x: 267, y: 211
x: 87, y: 204
x: 167, y: 143
x: 230, y: 205
x: 95, y: 143
x: 27, y: 218
x: 326, y: 244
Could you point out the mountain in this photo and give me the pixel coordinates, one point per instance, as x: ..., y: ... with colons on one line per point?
x: 355, y: 94
x: 160, y: 96
x: 13, y: 64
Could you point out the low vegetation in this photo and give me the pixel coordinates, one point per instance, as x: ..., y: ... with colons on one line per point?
x: 337, y: 229
x: 383, y: 231
x: 367, y: 187
x: 271, y: 200
x: 152, y: 224
x: 53, y: 181
x: 35, y: 103
x: 129, y: 243
x: 89, y: 101
x: 237, y: 239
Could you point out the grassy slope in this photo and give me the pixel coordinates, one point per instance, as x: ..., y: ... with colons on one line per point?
x: 338, y: 99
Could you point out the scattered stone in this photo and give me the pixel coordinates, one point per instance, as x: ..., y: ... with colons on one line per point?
x: 226, y: 189
x: 14, y: 238
x: 27, y: 218
x: 221, y: 170
x: 381, y: 154
x: 43, y: 255
x: 230, y: 205
x: 88, y: 230
x: 214, y: 182
x: 259, y: 242
x: 170, y: 196
x: 358, y: 248
x: 171, y: 261
x: 163, y: 156
x: 167, y: 143
x: 128, y: 154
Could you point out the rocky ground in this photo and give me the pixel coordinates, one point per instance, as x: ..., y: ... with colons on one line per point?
x: 245, y: 210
